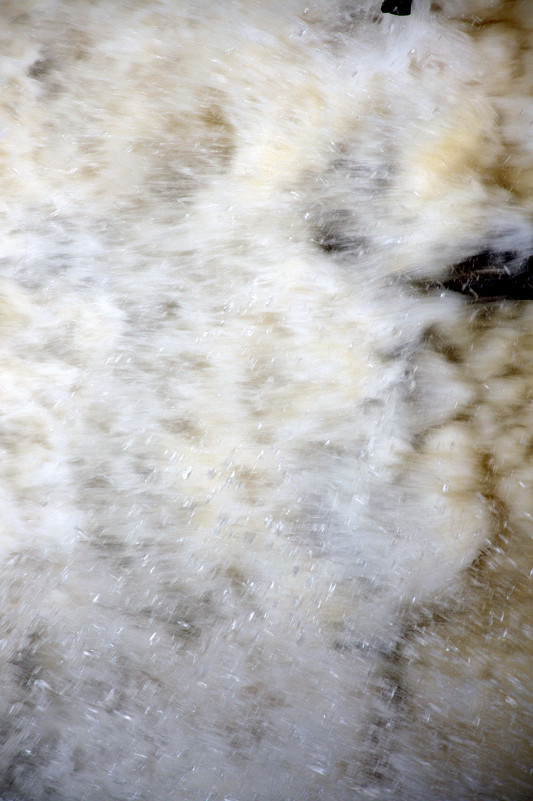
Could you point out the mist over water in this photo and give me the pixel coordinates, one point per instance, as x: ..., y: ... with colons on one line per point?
x: 266, y: 475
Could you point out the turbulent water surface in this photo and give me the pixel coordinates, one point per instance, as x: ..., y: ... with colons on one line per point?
x: 266, y: 401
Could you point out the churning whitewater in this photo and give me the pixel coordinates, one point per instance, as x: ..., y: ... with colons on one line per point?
x: 266, y: 400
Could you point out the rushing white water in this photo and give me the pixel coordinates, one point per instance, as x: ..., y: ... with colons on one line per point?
x: 266, y: 484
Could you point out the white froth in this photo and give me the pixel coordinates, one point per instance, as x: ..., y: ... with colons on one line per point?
x: 265, y: 494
